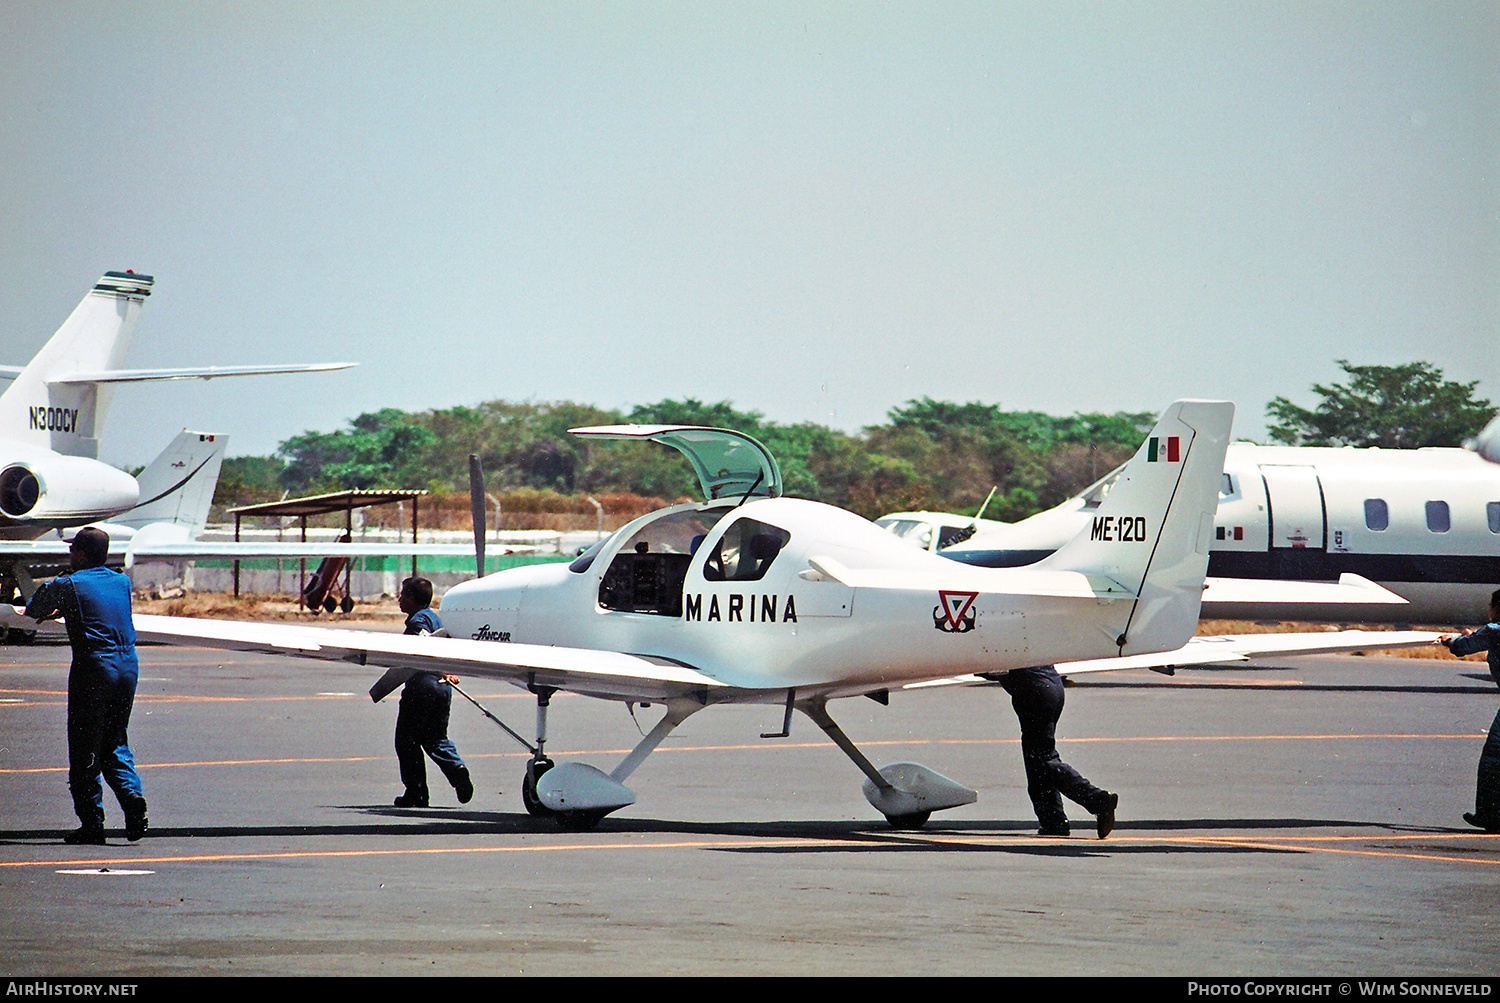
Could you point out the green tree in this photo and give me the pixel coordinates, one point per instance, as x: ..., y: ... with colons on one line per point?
x: 380, y: 449
x: 1398, y: 407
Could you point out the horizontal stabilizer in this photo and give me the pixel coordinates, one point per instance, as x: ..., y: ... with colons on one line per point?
x: 1016, y: 581
x: 1351, y: 588
x: 190, y: 373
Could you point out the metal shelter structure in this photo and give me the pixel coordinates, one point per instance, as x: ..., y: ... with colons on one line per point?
x: 339, y: 501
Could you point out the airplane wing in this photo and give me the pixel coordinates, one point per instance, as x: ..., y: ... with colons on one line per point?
x: 1222, y: 649
x: 607, y: 674
x: 192, y: 373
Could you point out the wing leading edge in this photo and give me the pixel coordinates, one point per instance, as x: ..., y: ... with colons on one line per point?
x: 610, y: 675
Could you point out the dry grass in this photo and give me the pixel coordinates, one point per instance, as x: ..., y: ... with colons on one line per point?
x: 224, y: 606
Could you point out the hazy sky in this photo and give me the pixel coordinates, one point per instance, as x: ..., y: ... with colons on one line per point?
x: 815, y: 210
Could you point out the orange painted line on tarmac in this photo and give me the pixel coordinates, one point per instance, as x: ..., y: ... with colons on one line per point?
x: 200, y: 858
x: 779, y: 746
x: 1310, y: 845
x: 281, y: 761
x: 1278, y: 844
x: 1281, y: 844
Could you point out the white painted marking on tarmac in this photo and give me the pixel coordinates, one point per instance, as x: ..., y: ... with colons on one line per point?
x: 331, y: 693
x: 110, y: 871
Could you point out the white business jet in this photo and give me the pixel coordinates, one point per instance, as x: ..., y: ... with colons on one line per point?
x: 752, y: 597
x: 174, y: 492
x: 50, y: 416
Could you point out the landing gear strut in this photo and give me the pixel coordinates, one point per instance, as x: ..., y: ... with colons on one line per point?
x: 905, y: 793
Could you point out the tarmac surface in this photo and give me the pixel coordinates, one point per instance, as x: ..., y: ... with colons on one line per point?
x: 1296, y: 819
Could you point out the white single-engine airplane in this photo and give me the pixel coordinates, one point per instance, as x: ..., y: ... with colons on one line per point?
x: 751, y: 597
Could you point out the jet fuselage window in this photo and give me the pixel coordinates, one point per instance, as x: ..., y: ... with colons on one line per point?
x: 745, y: 552
x: 1377, y: 514
x: 1438, y: 518
x: 1492, y: 512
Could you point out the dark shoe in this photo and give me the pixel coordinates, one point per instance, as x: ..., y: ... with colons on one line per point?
x: 1487, y: 824
x: 85, y: 835
x: 1107, y: 816
x: 136, y: 822
x: 410, y: 800
x: 465, y: 788
x: 1055, y: 830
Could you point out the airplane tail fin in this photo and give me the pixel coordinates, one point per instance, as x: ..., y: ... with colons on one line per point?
x: 1151, y: 533
x: 96, y: 335
x: 178, y: 486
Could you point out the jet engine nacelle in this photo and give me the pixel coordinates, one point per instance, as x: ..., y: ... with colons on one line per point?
x: 64, y: 490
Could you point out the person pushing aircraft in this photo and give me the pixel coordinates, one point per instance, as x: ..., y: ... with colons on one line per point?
x: 422, y: 719
x: 1486, y: 813
x: 95, y: 604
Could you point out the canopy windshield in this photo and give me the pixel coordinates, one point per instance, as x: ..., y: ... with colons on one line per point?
x: 728, y: 464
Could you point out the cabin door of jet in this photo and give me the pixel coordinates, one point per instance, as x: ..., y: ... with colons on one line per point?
x: 1297, y: 520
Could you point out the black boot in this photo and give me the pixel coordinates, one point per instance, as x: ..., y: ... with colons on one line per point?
x: 136, y: 822
x: 1487, y: 824
x: 1106, y: 815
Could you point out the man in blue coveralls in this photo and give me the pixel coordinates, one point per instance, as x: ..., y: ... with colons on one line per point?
x: 422, y: 719
x: 1486, y: 813
x: 94, y: 602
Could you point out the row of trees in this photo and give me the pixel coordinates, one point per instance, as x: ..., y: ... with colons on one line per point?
x: 932, y: 454
x: 929, y: 455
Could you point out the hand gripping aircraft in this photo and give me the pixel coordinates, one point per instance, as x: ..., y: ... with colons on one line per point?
x: 749, y: 597
x: 50, y: 476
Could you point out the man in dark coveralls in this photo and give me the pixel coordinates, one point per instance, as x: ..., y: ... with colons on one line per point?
x: 1486, y: 813
x: 422, y: 719
x: 1037, y: 695
x: 94, y: 602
